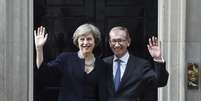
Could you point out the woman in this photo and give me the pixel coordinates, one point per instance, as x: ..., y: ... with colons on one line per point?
x: 81, y: 74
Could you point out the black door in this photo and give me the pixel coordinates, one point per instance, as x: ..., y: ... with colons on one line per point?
x: 62, y: 17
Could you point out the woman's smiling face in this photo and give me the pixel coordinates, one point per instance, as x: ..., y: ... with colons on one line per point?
x: 86, y: 43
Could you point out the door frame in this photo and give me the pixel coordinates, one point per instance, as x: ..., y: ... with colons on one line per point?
x: 166, y: 16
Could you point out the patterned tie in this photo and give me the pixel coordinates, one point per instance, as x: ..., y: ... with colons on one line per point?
x: 117, y: 75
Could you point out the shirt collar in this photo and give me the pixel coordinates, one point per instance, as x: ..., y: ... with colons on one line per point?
x: 124, y: 58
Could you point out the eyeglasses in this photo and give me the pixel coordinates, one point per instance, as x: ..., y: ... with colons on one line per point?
x: 119, y: 41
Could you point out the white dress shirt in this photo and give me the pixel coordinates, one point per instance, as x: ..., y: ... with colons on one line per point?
x: 123, y: 64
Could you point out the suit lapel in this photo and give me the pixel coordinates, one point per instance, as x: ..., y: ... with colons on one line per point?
x: 128, y: 71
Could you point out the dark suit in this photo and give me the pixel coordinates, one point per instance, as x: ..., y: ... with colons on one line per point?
x: 161, y: 73
x: 162, y: 78
x: 69, y: 69
x: 137, y: 79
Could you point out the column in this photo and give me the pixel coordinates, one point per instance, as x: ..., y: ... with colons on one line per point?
x: 2, y: 49
x: 16, y: 50
x: 171, y: 28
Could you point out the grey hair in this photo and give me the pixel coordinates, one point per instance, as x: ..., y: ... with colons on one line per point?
x: 122, y: 29
x: 85, y: 29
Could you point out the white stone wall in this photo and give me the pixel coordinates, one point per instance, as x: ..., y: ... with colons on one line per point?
x: 193, y: 44
x: 171, y: 28
x: 2, y: 49
x: 16, y: 50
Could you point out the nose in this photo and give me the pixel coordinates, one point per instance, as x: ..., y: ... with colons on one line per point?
x: 85, y: 41
x: 116, y: 44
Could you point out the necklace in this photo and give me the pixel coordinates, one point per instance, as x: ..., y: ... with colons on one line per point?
x: 89, y: 63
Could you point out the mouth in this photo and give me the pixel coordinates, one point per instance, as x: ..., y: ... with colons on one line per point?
x: 86, y: 47
x: 117, y: 48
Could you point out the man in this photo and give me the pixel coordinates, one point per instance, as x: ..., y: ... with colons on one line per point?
x: 131, y: 78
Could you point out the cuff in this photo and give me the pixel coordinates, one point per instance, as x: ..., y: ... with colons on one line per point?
x: 160, y: 60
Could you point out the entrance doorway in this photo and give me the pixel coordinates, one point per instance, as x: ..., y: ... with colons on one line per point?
x: 62, y: 17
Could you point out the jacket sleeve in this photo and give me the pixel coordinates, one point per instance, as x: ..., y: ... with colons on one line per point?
x: 149, y: 75
x: 161, y: 74
x: 52, y: 69
x: 150, y: 94
x: 149, y: 84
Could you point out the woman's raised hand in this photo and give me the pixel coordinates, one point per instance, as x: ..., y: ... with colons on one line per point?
x: 40, y: 37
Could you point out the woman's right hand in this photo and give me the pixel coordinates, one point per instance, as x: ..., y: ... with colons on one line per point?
x: 40, y: 37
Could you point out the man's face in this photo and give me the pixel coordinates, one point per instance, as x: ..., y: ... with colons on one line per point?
x: 118, y: 42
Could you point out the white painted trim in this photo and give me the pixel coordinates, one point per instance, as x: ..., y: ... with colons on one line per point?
x: 3, y: 32
x: 183, y: 48
x: 173, y: 33
x: 30, y: 70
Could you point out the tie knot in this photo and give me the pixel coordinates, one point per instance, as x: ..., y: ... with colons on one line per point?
x: 118, y: 60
